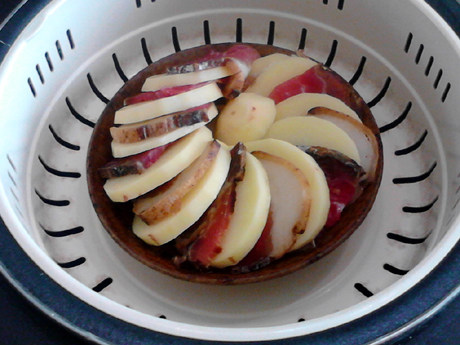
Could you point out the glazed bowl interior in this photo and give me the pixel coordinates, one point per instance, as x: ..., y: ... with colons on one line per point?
x: 70, y: 61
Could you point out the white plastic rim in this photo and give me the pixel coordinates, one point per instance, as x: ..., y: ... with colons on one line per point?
x: 36, y: 252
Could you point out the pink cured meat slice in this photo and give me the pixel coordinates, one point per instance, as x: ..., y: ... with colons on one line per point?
x: 344, y: 179
x: 133, y: 164
x: 315, y: 80
x: 241, y: 52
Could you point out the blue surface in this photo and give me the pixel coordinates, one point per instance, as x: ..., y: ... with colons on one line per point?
x: 24, y: 323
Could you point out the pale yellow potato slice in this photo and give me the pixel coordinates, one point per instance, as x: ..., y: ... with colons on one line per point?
x: 278, y: 73
x: 160, y: 81
x: 193, y: 205
x: 260, y: 64
x: 320, y: 201
x: 172, y: 162
x: 313, y: 131
x: 127, y: 149
x: 245, y: 118
x: 290, y: 201
x: 167, y: 105
x: 249, y: 217
x: 300, y: 104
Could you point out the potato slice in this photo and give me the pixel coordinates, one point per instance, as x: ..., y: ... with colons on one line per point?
x: 278, y: 73
x: 167, y: 105
x: 193, y: 205
x: 249, y: 217
x: 302, y: 103
x: 290, y: 202
x: 313, y: 131
x: 320, y: 201
x: 172, y: 162
x: 245, y: 118
x: 166, y: 200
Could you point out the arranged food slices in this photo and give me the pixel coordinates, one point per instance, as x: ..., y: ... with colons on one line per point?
x: 278, y: 73
x: 175, y: 159
x: 233, y: 224
x: 318, y: 187
x: 171, y: 210
x: 135, y: 164
x: 260, y: 64
x: 167, y: 199
x: 290, y: 202
x: 361, y: 135
x: 302, y: 103
x: 234, y: 159
x: 147, y: 110
x: 314, y: 131
x: 132, y: 139
x: 344, y: 178
x: 190, y: 75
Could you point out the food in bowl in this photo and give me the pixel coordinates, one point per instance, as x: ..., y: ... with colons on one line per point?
x: 234, y: 163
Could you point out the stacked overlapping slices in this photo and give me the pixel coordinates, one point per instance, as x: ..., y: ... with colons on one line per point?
x: 234, y: 158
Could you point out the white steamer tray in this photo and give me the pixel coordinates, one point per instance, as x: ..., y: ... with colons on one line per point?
x: 73, y: 56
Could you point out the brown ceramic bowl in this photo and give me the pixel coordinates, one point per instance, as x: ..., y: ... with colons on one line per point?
x: 117, y: 217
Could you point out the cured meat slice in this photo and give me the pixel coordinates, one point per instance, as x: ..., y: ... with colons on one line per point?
x: 132, y: 165
x: 280, y: 73
x: 317, y: 79
x: 344, y: 178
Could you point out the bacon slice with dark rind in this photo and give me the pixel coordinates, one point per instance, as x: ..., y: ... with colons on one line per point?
x: 344, y: 178
x: 133, y: 164
x: 203, y: 243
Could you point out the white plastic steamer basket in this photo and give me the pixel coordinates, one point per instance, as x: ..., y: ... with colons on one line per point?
x: 74, y: 55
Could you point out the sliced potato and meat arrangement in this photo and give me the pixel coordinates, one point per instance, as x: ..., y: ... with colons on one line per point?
x: 240, y: 182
